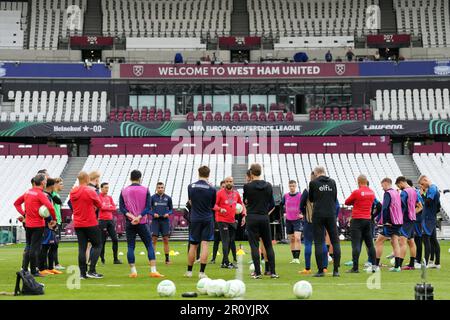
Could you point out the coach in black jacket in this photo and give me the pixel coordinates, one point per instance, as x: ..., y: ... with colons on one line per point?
x: 323, y: 195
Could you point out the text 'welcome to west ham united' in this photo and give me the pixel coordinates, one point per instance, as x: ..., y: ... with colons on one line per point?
x: 239, y: 70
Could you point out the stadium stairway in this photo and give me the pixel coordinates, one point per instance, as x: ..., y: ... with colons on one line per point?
x: 93, y: 18
x: 70, y: 173
x: 240, y: 19
x: 388, y: 20
x: 239, y: 170
x: 408, y: 167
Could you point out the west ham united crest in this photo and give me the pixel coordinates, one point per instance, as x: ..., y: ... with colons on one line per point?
x: 340, y: 69
x: 138, y: 70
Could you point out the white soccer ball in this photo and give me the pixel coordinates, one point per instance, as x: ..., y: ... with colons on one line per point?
x: 234, y: 289
x: 43, y: 212
x: 210, y: 288
x: 242, y: 286
x: 302, y: 289
x: 216, y: 288
x: 202, y: 285
x: 239, y: 208
x: 393, y: 262
x: 166, y: 288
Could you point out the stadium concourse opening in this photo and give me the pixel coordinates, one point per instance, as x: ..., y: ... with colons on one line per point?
x: 223, y: 97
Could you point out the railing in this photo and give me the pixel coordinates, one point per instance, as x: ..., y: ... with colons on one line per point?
x: 204, y: 35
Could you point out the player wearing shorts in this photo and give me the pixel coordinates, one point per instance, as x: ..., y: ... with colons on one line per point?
x: 294, y: 227
x: 410, y: 202
x: 202, y: 197
x: 391, y: 219
x: 429, y: 219
x: 161, y: 209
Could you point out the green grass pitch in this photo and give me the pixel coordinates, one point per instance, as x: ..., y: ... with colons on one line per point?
x: 117, y: 286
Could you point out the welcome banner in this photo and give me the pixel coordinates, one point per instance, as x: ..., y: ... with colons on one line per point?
x: 238, y: 71
x: 286, y: 70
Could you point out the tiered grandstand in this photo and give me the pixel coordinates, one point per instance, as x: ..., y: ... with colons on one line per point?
x: 17, y: 170
x: 428, y: 18
x: 54, y: 19
x: 159, y: 19
x: 308, y: 18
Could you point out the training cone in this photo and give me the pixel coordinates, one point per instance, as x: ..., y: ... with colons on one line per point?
x: 171, y: 253
x: 142, y: 253
x: 158, y: 253
x: 177, y: 253
x: 240, y: 252
x: 121, y: 253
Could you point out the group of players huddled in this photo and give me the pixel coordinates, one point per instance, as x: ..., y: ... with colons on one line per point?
x: 407, y: 216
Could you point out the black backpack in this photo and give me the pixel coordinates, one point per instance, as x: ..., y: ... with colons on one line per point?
x: 30, y: 286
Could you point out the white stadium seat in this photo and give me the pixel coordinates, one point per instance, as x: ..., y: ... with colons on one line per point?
x: 51, y: 20
x: 309, y: 18
x: 176, y: 171
x: 18, y: 170
x: 62, y: 107
x: 426, y: 18
x: 165, y: 19
x: 344, y: 168
x: 437, y: 168
x: 416, y: 105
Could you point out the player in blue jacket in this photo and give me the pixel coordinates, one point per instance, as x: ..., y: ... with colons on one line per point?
x: 161, y: 209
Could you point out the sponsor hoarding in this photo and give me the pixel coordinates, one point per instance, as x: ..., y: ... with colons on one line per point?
x: 175, y: 128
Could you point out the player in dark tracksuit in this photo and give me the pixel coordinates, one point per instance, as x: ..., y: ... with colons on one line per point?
x: 323, y: 194
x: 306, y: 208
x: 49, y: 240
x: 429, y: 220
x: 217, y: 239
x: 161, y: 209
x: 107, y: 224
x: 418, y: 228
x: 258, y: 194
